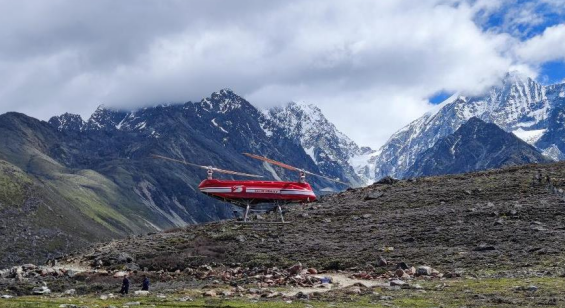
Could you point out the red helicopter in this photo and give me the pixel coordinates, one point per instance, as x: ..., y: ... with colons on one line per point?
x: 247, y: 193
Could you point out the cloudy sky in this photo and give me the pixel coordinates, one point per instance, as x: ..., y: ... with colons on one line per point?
x: 371, y: 66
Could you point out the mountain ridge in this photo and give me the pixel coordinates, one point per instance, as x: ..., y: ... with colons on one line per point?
x: 518, y: 104
x: 475, y: 146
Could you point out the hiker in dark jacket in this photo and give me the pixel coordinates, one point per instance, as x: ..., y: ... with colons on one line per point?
x: 145, y: 285
x: 125, y: 285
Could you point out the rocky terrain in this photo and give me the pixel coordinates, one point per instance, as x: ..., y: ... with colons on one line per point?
x: 492, y: 238
x: 95, y: 180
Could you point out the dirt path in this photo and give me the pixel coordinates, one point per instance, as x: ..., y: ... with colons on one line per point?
x: 339, y: 281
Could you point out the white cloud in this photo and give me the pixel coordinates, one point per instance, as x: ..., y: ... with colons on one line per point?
x: 370, y: 65
x: 548, y: 46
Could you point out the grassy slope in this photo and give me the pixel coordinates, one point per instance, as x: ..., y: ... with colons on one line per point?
x: 13, y: 183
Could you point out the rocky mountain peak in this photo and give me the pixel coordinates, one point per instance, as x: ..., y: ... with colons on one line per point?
x: 476, y: 145
x: 518, y: 104
x: 105, y: 118
x: 224, y: 101
x: 329, y: 148
x: 67, y: 122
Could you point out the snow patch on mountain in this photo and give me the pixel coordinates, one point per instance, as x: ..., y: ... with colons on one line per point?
x: 329, y: 148
x: 530, y: 136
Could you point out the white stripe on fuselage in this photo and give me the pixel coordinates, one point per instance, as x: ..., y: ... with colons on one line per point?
x: 259, y: 190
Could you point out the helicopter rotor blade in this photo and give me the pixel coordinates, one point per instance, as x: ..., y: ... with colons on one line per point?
x: 325, y: 177
x: 206, y: 167
x: 289, y: 167
x: 270, y: 161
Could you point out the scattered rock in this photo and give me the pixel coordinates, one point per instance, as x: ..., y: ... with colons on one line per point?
x: 302, y: 295
x: 531, y: 288
x: 381, y: 262
x: 210, y: 293
x: 387, y: 180
x: 226, y: 293
x: 6, y: 296
x: 132, y: 304
x: 185, y: 299
x: 484, y: 247
x: 373, y: 195
x: 354, y: 291
x: 70, y: 292
x: 402, y: 265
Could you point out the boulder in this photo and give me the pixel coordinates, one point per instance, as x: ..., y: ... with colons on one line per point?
x: 387, y: 180
x: 70, y: 292
x: 6, y: 296
x: 141, y: 293
x: 124, y: 257
x: 70, y: 273
x: 4, y: 273
x: 295, y: 269
x: 381, y: 262
x: 424, y: 271
x: 397, y: 282
x: 373, y: 195
x: 210, y: 293
x: 120, y: 274
x: 399, y: 273
x: 402, y: 265
x: 226, y: 293
x: 43, y: 290
x: 354, y: 291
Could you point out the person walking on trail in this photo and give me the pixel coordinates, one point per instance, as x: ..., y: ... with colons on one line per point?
x: 125, y: 286
x: 145, y: 284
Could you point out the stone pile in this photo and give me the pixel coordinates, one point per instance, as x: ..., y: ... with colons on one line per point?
x: 20, y: 273
x: 295, y: 275
x: 400, y: 274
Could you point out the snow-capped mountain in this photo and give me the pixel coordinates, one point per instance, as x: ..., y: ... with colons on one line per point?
x: 299, y: 135
x: 474, y: 146
x: 329, y: 148
x: 519, y: 105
